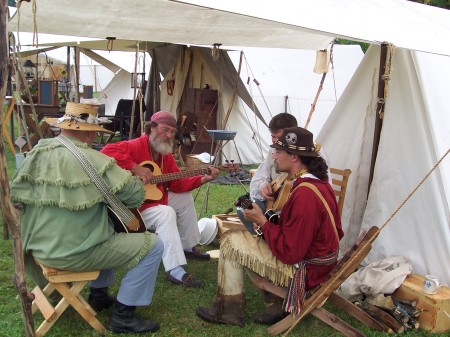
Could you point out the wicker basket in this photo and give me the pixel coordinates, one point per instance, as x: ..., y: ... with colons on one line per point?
x: 191, y: 161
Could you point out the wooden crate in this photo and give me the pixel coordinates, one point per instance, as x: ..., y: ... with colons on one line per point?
x: 228, y: 222
x: 435, y: 315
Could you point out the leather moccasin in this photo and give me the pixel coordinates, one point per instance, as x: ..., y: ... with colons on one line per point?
x: 196, y: 254
x: 267, y: 318
x: 207, y: 315
x: 187, y: 280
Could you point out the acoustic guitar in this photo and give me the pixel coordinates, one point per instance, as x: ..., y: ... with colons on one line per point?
x: 126, y: 220
x: 281, y: 187
x: 151, y: 190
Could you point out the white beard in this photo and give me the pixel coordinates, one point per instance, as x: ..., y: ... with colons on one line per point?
x: 160, y: 145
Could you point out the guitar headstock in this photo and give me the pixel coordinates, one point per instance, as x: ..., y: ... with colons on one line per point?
x: 230, y: 166
x: 244, y: 202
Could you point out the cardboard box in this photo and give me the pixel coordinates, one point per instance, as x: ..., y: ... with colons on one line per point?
x: 435, y: 315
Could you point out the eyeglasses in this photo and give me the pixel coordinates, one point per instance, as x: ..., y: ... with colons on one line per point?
x: 168, y: 131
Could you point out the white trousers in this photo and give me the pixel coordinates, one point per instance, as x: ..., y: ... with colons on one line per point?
x: 176, y: 226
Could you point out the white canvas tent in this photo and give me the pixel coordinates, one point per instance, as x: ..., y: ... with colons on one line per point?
x: 414, y: 136
x: 280, y: 72
x: 313, y: 25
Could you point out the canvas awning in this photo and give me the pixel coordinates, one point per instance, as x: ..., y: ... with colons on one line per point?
x: 405, y: 24
x: 161, y: 21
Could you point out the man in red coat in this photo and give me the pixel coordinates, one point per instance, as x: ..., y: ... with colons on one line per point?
x: 298, y: 250
x: 173, y: 217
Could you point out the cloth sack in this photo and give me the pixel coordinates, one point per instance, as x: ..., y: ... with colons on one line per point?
x: 379, y: 277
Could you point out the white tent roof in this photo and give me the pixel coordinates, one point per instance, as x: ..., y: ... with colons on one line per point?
x: 296, y: 24
x: 404, y: 23
x: 413, y: 138
x: 161, y: 21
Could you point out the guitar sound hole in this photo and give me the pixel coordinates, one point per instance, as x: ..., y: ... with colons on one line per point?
x: 150, y: 167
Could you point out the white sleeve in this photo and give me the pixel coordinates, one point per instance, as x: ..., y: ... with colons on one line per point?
x: 264, y: 174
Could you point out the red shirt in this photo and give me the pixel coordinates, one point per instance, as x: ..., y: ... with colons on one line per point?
x: 304, y: 229
x: 131, y: 152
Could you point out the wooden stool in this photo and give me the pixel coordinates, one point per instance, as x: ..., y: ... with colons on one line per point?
x: 68, y: 284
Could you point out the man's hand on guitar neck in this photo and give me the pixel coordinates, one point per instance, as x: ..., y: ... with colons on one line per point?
x: 266, y: 191
x: 214, y: 173
x: 144, y: 173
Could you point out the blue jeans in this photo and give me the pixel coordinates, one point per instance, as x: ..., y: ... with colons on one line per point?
x: 138, y: 283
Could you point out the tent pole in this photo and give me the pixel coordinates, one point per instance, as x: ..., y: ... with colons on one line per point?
x: 380, y: 111
x: 133, y: 108
x: 77, y: 74
x: 10, y: 215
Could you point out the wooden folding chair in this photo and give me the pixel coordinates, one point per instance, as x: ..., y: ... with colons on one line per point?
x: 339, y: 184
x: 345, y: 267
x: 68, y: 284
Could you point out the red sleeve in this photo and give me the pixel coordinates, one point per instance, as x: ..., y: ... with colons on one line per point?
x: 130, y: 152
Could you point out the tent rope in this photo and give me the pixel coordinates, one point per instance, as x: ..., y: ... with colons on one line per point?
x: 35, y: 29
x: 415, y: 189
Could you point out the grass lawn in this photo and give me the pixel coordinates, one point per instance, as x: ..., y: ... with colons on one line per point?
x: 173, y: 306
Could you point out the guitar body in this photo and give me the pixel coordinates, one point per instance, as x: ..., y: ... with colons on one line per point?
x: 281, y: 188
x: 152, y: 192
x: 135, y: 225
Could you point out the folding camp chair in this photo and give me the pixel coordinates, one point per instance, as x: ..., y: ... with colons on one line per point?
x: 68, y: 284
x: 345, y: 267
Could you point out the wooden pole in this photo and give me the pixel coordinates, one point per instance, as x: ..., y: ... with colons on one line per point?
x: 133, y: 108
x: 380, y: 111
x: 313, y: 105
x: 76, y: 73
x: 10, y: 216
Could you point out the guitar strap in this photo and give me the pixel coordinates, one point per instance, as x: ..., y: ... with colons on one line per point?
x: 317, y: 192
x: 116, y: 205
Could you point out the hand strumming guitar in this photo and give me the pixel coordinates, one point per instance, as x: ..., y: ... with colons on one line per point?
x: 266, y: 191
x: 214, y: 173
x: 144, y: 173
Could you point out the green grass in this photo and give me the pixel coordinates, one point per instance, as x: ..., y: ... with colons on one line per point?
x: 173, y: 306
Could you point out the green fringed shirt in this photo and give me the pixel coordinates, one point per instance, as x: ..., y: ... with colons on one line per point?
x: 65, y: 223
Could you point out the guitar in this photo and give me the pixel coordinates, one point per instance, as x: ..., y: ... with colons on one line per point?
x: 281, y: 188
x: 151, y: 190
x: 245, y: 202
x: 126, y: 220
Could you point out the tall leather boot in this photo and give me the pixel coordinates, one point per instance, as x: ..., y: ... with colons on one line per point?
x: 274, y: 309
x: 226, y: 309
x: 124, y: 320
x: 99, y: 299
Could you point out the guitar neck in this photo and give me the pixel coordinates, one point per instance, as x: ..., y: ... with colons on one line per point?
x: 177, y: 175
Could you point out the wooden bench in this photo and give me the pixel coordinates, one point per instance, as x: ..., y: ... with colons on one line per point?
x: 68, y: 284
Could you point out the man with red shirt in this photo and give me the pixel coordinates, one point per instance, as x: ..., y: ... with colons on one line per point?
x: 173, y: 217
x: 298, y: 251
